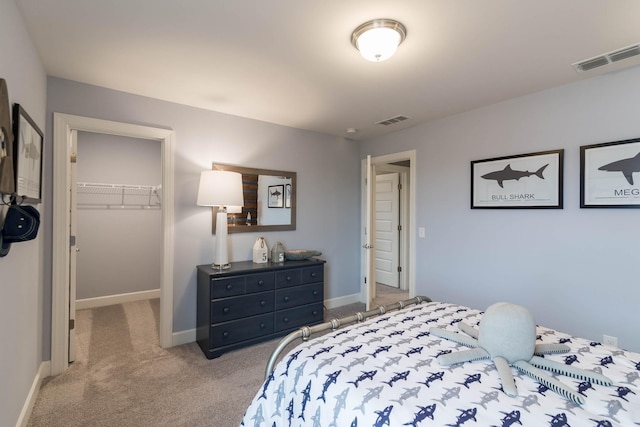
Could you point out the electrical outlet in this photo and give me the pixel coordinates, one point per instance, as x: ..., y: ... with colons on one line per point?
x: 610, y: 341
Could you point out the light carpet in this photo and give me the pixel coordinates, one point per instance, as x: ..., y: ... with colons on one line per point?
x: 121, y: 376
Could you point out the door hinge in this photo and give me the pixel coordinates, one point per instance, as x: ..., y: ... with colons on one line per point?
x: 72, y: 324
x: 365, y: 280
x: 74, y: 158
x: 72, y: 240
x: 399, y: 269
x: 399, y: 227
x: 399, y: 186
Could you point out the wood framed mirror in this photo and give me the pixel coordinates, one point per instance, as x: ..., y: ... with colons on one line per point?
x: 269, y: 201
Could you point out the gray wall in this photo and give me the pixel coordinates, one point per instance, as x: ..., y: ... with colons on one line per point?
x: 119, y: 246
x: 576, y: 269
x: 327, y: 194
x: 21, y: 271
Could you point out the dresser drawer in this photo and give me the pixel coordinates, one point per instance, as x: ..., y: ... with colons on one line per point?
x: 312, y: 274
x: 260, y: 282
x: 223, y: 310
x: 288, y: 278
x: 241, y: 330
x: 227, y: 287
x: 299, y: 316
x: 299, y: 295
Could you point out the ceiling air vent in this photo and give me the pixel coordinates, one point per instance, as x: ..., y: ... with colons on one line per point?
x: 607, y: 58
x: 393, y: 120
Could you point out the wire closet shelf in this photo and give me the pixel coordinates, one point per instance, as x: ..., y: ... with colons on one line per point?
x: 92, y: 195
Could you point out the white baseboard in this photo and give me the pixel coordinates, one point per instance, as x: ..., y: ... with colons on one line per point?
x: 43, y: 371
x: 184, y: 337
x: 116, y: 299
x: 340, y: 301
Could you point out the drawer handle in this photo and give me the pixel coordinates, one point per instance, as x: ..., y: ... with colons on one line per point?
x: 315, y: 293
x: 229, y: 286
x: 261, y: 325
x: 260, y: 282
x: 315, y: 313
x: 263, y: 303
x: 286, y: 299
x: 288, y: 278
x: 225, y: 334
x: 225, y: 310
x: 313, y: 274
x: 285, y: 320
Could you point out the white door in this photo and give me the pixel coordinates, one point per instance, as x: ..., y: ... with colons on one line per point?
x: 368, y: 272
x: 387, y: 233
x: 73, y: 249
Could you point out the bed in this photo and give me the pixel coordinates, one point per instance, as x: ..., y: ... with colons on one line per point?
x: 383, y: 371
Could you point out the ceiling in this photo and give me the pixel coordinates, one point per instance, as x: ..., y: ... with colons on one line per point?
x: 291, y: 62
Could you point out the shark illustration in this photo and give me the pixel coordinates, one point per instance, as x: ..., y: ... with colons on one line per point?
x: 397, y: 377
x: 380, y: 350
x: 510, y: 418
x: 530, y: 400
x: 331, y: 379
x: 358, y: 361
x: 508, y: 174
x: 464, y: 416
x: 373, y: 393
x: 366, y: 375
x: 424, y: 412
x: 339, y: 406
x: 293, y: 357
x: 279, y: 399
x: 306, y: 397
x: 383, y: 416
x: 626, y: 166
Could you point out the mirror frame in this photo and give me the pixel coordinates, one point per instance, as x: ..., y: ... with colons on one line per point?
x: 259, y: 228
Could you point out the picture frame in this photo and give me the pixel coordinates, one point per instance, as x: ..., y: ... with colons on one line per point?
x: 27, y: 156
x: 287, y: 195
x: 607, y: 174
x: 524, y: 181
x: 276, y: 196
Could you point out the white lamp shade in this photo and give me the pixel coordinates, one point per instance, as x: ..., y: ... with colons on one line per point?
x: 378, y: 44
x: 220, y: 188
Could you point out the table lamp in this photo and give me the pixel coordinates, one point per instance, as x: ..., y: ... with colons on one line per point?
x: 222, y: 189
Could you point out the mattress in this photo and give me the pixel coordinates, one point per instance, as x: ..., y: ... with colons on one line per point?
x: 385, y: 372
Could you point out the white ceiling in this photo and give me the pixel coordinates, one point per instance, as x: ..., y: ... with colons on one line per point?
x: 291, y: 62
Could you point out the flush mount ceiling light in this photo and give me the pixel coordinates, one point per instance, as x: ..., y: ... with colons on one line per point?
x: 378, y: 40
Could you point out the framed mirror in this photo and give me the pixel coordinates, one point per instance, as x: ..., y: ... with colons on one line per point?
x: 269, y: 201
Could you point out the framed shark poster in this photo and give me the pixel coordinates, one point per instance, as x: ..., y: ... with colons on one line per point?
x: 608, y: 176
x: 525, y: 181
x: 28, y: 145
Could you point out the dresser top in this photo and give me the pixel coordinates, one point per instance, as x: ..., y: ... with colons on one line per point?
x: 251, y: 267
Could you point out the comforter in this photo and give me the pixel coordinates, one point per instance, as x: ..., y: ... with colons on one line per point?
x: 384, y: 372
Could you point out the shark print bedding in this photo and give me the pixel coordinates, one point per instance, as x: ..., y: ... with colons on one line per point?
x: 384, y: 372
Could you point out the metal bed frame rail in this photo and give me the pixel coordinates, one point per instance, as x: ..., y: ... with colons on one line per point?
x: 306, y: 331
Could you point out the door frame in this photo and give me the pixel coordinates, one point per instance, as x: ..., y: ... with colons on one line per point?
x: 63, y: 125
x: 409, y: 261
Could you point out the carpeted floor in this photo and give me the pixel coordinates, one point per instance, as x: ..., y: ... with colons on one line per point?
x: 121, y: 376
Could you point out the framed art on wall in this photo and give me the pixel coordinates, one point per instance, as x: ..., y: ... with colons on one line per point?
x: 526, y: 181
x: 607, y: 175
x: 287, y: 196
x: 28, y: 141
x: 276, y: 196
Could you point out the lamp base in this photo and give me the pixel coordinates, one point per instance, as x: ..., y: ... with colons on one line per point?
x: 220, y: 266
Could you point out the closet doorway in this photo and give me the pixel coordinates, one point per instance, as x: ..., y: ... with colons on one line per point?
x: 66, y: 128
x: 117, y: 221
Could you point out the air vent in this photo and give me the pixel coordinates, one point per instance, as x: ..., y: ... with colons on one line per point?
x: 607, y: 59
x: 393, y: 120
